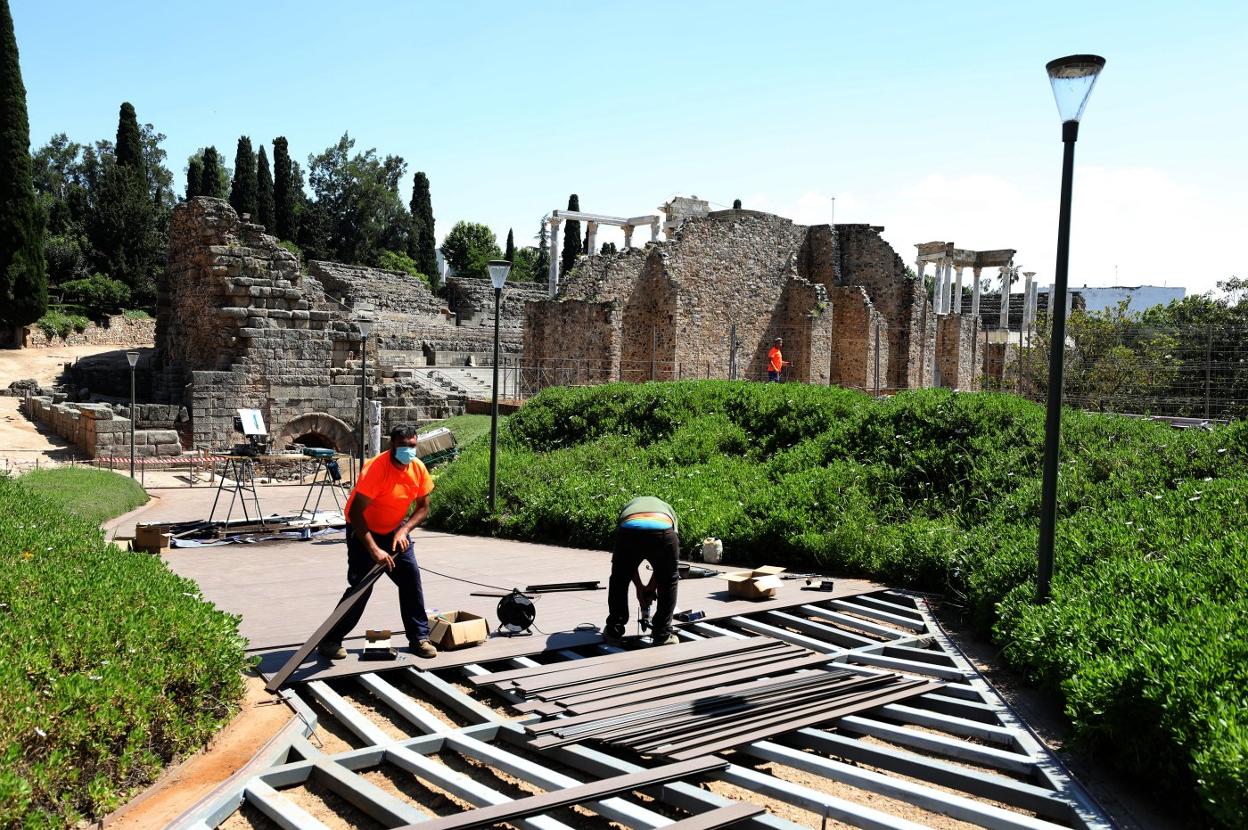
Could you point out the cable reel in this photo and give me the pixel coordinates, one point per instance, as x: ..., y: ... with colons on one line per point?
x: 516, y: 614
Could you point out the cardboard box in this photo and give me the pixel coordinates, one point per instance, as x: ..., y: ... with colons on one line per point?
x: 760, y: 583
x: 457, y: 629
x: 152, y: 538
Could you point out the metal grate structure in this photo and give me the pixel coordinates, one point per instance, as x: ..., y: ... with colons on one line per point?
x: 958, y: 751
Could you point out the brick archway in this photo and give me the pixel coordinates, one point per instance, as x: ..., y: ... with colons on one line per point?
x: 339, y: 435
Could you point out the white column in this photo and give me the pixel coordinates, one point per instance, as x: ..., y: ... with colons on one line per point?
x: 552, y: 283
x: 957, y: 291
x: 946, y: 268
x: 591, y: 234
x: 628, y: 236
x: 1035, y: 301
x: 1004, y: 321
x: 919, y: 267
x: 1027, y: 275
x: 975, y: 291
x: 1052, y: 295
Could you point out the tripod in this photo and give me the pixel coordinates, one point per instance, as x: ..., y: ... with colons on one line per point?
x: 242, y: 478
x: 326, y: 477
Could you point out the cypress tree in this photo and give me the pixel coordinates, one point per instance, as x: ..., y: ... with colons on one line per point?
x: 129, y: 149
x: 422, y: 215
x: 510, y: 253
x: 243, y: 190
x: 542, y: 266
x: 736, y: 204
x: 571, y: 238
x: 264, y: 192
x: 283, y: 192
x: 23, y: 277
x: 210, y: 184
x: 194, y: 177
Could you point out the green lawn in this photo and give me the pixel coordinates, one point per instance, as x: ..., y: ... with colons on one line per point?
x: 95, y: 495
x: 467, y: 428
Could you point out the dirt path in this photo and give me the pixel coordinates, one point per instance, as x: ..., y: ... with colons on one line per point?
x: 22, y: 444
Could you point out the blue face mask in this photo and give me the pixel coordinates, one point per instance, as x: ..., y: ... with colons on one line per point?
x: 405, y: 455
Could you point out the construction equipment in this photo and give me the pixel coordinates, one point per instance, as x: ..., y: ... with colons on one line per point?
x: 327, y: 477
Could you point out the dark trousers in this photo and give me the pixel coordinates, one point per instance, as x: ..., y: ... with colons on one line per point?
x: 632, y: 547
x: 406, y: 575
x: 773, y: 376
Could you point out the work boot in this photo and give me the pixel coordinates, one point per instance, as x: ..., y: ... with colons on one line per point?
x: 613, y: 634
x: 664, y: 640
x: 332, y: 651
x: 424, y: 648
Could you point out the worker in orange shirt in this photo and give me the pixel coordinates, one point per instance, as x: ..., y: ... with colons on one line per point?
x: 775, y: 361
x: 378, y: 528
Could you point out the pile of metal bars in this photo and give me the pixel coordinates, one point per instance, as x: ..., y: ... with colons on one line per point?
x: 695, y: 698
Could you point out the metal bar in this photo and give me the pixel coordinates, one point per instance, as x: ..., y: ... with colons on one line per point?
x: 998, y: 735
x: 821, y: 804
x: 815, y: 629
x: 897, y: 664
x: 720, y: 817
x: 920, y: 795
x: 944, y: 745
x: 852, y: 622
x: 349, y: 602
x: 360, y: 726
x: 785, y: 635
x: 533, y: 805
x: 365, y: 795
x: 1000, y: 788
x: 413, y: 712
x: 284, y: 813
x: 876, y: 614
x: 454, y: 698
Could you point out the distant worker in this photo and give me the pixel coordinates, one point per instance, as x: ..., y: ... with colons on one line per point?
x: 378, y: 529
x: 775, y: 361
x: 646, y: 531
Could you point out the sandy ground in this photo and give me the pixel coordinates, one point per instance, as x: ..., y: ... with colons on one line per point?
x: 21, y: 443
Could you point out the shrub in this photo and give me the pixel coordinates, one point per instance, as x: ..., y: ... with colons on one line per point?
x: 58, y: 324
x: 97, y: 295
x: 94, y: 495
x: 112, y: 666
x: 395, y: 261
x: 1144, y: 637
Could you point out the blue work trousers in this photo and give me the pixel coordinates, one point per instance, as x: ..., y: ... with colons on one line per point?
x: 406, y: 575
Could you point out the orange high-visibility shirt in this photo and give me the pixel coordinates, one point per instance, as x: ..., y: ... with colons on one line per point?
x: 390, y: 491
x: 775, y: 361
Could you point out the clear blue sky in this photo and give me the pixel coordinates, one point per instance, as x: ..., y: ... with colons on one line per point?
x: 933, y: 120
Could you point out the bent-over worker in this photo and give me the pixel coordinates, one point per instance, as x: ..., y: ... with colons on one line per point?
x: 378, y: 528
x: 646, y: 531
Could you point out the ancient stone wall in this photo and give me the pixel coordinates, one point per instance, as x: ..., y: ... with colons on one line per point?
x: 115, y: 330
x: 857, y: 323
x: 99, y: 432
x: 957, y: 347
x: 570, y: 342
x: 472, y: 301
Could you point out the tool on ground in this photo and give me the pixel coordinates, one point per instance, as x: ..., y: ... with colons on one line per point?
x: 819, y: 585
x: 689, y: 616
x: 377, y: 645
x: 643, y: 616
x: 694, y: 572
x: 348, y: 602
x: 516, y: 614
x: 551, y: 587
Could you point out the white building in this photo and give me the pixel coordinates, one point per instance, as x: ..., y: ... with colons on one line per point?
x: 1142, y: 297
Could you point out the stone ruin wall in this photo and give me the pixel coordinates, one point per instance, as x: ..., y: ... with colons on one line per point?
x: 239, y: 326
x: 114, y: 330
x: 99, y: 431
x: 959, y: 352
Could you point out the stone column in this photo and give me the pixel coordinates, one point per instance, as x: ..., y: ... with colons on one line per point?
x: 946, y: 282
x: 975, y: 272
x: 591, y: 235
x: 919, y: 267
x: 628, y: 236
x: 1052, y: 294
x: 552, y: 282
x: 1027, y: 275
x: 654, y: 230
x: 1035, y: 302
x: 957, y: 291
x: 1006, y: 273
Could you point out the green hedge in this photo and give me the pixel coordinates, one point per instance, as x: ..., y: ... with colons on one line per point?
x: 94, y: 495
x: 110, y: 666
x: 1145, y: 636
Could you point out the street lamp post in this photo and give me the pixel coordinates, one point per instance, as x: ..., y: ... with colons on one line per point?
x: 365, y: 325
x: 499, y: 268
x: 1072, y: 78
x: 132, y: 358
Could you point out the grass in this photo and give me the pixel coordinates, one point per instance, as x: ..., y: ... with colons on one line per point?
x: 466, y: 428
x: 94, y: 495
x: 1144, y: 639
x: 112, y: 666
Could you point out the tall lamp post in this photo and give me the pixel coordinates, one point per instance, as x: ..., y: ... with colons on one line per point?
x: 132, y: 358
x: 1073, y: 78
x: 499, y: 268
x: 365, y: 325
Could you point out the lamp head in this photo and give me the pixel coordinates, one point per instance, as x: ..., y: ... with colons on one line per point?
x: 1073, y: 78
x: 132, y: 358
x: 365, y: 325
x: 499, y: 269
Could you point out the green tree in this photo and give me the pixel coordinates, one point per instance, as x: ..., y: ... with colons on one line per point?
x: 524, y: 268
x: 194, y: 176
x: 213, y: 183
x: 23, y: 280
x: 468, y: 249
x: 129, y: 147
x: 283, y: 192
x: 243, y: 190
x: 509, y: 253
x: 736, y: 204
x: 424, y: 251
x: 360, y: 196
x: 571, y: 238
x: 264, y: 191
x: 542, y: 265
x: 608, y: 248
x: 396, y: 261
